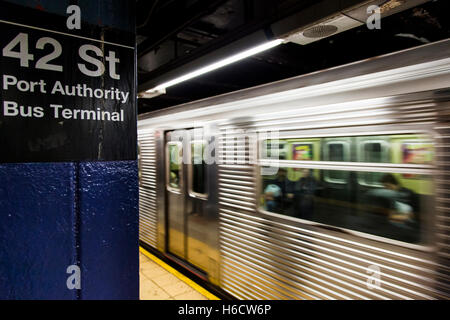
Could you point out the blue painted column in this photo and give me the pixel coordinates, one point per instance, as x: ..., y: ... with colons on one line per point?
x: 109, y: 230
x: 37, y: 230
x: 69, y: 186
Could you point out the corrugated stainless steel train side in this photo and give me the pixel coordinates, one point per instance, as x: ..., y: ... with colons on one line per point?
x: 255, y: 254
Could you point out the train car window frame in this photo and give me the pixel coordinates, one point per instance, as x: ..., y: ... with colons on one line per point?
x: 346, y: 158
x: 385, y: 148
x: 428, y: 170
x: 180, y: 170
x: 361, y: 153
x: 191, y: 191
x: 280, y: 150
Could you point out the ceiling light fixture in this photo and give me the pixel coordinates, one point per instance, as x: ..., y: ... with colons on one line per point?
x: 161, y: 89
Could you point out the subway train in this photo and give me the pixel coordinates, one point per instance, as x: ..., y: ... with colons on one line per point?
x: 331, y: 185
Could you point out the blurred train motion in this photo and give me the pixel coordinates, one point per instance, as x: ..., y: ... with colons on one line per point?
x: 332, y: 185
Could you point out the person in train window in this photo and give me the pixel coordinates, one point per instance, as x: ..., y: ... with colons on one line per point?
x: 278, y: 193
x: 401, y: 203
x: 272, y: 195
x: 173, y: 182
x: 404, y: 202
x: 305, y: 189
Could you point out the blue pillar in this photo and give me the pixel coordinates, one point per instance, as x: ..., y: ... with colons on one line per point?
x: 109, y: 230
x: 37, y: 225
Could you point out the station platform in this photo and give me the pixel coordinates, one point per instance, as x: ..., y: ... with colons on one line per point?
x: 159, y: 281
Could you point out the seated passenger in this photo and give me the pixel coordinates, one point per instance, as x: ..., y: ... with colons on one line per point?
x: 305, y: 189
x: 278, y: 193
x: 402, y: 202
x: 272, y: 195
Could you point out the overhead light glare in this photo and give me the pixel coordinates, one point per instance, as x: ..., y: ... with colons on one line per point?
x: 217, y: 65
x: 151, y: 93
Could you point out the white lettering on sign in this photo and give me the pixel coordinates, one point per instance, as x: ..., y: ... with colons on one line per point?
x: 97, y: 63
x: 80, y: 90
x: 79, y: 114
x: 43, y: 63
x: 87, y: 92
x: 18, y: 48
x: 23, y: 55
x: 12, y: 109
x: 23, y: 85
x: 58, y: 111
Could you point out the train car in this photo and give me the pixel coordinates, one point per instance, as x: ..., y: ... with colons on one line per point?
x: 331, y: 185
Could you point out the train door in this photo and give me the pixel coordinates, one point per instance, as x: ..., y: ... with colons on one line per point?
x: 337, y: 184
x: 198, y: 226
x: 175, y: 195
x: 186, y: 185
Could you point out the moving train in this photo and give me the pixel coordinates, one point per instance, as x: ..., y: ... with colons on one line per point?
x: 331, y: 185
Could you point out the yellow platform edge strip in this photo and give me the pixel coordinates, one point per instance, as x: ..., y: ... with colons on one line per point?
x: 180, y: 276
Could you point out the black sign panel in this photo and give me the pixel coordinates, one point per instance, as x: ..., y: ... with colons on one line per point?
x: 66, y: 94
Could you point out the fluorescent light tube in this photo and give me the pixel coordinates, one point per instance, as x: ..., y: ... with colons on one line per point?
x: 217, y: 65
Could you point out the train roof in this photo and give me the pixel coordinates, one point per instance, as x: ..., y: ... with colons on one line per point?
x: 414, y: 56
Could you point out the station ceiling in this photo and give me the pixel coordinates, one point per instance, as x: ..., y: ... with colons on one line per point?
x: 175, y: 34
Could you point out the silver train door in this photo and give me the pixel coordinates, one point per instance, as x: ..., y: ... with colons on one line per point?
x: 186, y: 189
x: 198, y: 227
x: 175, y: 195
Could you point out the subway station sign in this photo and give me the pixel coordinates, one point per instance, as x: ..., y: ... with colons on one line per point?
x: 68, y: 81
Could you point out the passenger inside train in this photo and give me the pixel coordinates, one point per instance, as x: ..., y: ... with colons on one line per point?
x: 367, y: 200
x: 304, y: 191
x: 403, y: 204
x: 279, y: 192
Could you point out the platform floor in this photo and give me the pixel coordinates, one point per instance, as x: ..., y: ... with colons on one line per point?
x: 158, y: 283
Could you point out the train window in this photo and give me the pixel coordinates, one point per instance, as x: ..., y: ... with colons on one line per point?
x: 373, y: 151
x: 274, y: 149
x: 394, y: 211
x: 174, y: 156
x: 198, y: 168
x: 370, y: 198
x: 401, y: 149
x: 336, y: 151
